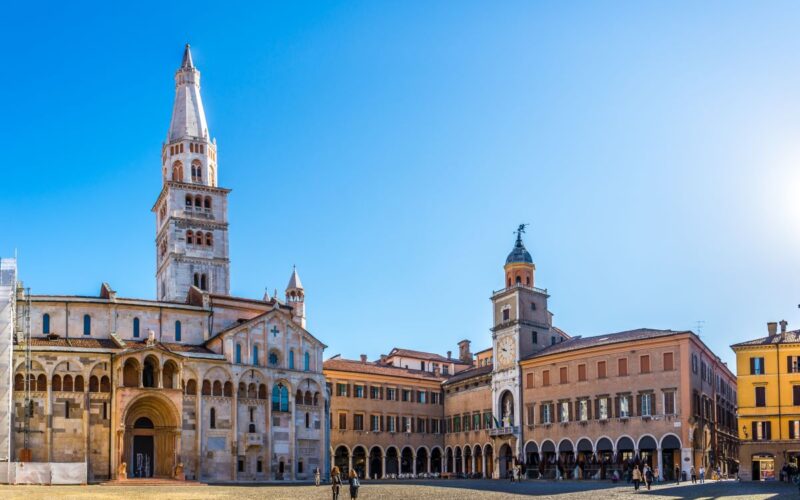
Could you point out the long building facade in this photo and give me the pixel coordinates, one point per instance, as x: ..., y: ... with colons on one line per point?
x: 553, y: 404
x: 197, y: 384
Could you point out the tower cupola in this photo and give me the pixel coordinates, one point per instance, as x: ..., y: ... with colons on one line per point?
x: 519, y: 268
x: 296, y: 296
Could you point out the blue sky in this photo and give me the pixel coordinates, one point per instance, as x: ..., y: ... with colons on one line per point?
x: 389, y: 149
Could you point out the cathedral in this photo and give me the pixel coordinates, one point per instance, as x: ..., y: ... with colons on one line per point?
x: 197, y: 385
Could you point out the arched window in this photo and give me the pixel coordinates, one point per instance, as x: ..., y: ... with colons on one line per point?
x: 306, y: 361
x: 87, y: 324
x: 280, y: 398
x: 78, y: 383
x: 177, y: 171
x: 212, y: 418
x: 189, y: 236
x: 198, y: 201
x: 197, y: 171
x: 203, y: 282
x: 209, y: 239
x: 135, y: 327
x: 273, y: 359
x: 291, y: 360
x: 255, y: 355
x: 177, y: 331
x: 197, y: 279
x: 46, y: 324
x: 189, y: 200
x: 239, y: 353
x: 308, y: 420
x: 208, y: 203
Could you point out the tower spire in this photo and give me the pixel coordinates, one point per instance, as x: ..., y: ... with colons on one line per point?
x: 188, y: 115
x: 187, y: 58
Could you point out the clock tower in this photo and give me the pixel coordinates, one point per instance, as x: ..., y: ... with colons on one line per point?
x: 522, y: 326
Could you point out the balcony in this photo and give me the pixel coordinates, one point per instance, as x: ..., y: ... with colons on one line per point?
x: 253, y: 439
x: 504, y: 431
x: 521, y: 287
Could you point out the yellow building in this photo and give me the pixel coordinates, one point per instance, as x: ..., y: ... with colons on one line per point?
x: 769, y: 402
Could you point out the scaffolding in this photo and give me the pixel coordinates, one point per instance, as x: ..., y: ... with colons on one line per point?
x: 8, y: 284
x: 23, y: 339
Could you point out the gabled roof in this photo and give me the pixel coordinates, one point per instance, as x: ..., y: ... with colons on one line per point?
x: 427, y: 356
x: 576, y: 343
x: 78, y: 343
x: 478, y: 371
x: 373, y: 368
x: 260, y: 317
x: 790, y: 337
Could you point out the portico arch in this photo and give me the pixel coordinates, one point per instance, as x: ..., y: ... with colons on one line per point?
x: 151, y: 436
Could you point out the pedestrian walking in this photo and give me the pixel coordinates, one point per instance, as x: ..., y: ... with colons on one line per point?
x: 336, y: 482
x: 637, y: 477
x: 702, y: 474
x: 677, y: 475
x: 354, y: 484
x: 648, y: 476
x: 693, y: 474
x: 316, y: 476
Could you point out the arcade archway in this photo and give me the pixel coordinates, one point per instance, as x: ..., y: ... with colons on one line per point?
x: 151, y: 437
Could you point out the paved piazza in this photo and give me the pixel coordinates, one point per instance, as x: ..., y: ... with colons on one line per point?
x: 445, y: 489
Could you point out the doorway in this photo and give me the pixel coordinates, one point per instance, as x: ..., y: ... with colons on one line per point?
x: 143, y: 459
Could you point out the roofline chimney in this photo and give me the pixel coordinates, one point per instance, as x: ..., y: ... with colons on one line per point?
x: 784, y: 324
x: 772, y: 328
x: 364, y: 358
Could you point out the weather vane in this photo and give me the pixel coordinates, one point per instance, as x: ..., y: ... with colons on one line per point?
x: 521, y: 229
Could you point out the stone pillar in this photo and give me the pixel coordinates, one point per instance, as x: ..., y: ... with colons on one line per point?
x: 383, y: 466
x: 349, y: 462
x: 86, y: 427
x: 483, y: 465
x: 235, y: 428
x: 464, y: 463
x: 368, y: 467
x: 443, y: 463
x: 293, y: 436
x: 660, y: 465
x: 414, y: 463
x: 48, y: 418
x: 472, y: 459
x: 429, y: 464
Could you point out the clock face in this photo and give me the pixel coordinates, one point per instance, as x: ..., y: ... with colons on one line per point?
x: 505, y: 352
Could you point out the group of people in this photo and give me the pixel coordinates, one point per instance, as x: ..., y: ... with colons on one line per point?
x: 514, y: 473
x: 645, y: 476
x: 336, y: 482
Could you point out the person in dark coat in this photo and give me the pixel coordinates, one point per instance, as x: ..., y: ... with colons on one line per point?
x: 336, y: 483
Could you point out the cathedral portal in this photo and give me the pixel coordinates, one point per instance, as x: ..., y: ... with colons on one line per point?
x: 151, y: 437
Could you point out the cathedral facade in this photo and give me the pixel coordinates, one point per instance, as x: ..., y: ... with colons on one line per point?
x: 197, y: 384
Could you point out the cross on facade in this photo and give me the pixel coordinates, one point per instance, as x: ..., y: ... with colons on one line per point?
x: 275, y: 331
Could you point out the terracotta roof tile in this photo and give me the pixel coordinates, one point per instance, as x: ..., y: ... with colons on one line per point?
x: 429, y: 356
x: 470, y: 373
x: 790, y: 337
x: 75, y: 342
x: 576, y: 343
x: 348, y: 365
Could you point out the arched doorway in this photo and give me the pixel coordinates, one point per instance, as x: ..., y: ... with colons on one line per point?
x: 566, y: 458
x: 506, y: 460
x: 375, y: 463
x: 468, y: 461
x: 392, y: 461
x: 586, y: 460
x: 670, y: 456
x: 341, y: 459
x: 459, y: 461
x: 605, y: 455
x: 422, y: 461
x: 449, y: 460
x: 548, y: 465
x: 360, y: 461
x: 436, y: 461
x: 647, y: 450
x: 407, y: 461
x: 151, y: 440
x: 489, y: 453
x: 478, y: 454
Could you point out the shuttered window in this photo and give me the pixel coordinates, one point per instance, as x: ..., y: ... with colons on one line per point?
x: 796, y: 395
x: 581, y: 373
x: 622, y: 367
x: 562, y: 375
x: 529, y: 380
x: 756, y: 366
x: 601, y: 369
x: 546, y: 377
x: 644, y: 364
x: 761, y: 396
x: 669, y: 362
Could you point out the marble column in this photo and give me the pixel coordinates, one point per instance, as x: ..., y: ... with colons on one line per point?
x: 429, y: 464
x: 483, y: 465
x: 660, y: 465
x: 414, y: 463
x: 383, y: 466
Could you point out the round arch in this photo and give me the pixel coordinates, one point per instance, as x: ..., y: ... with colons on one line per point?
x: 151, y: 451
